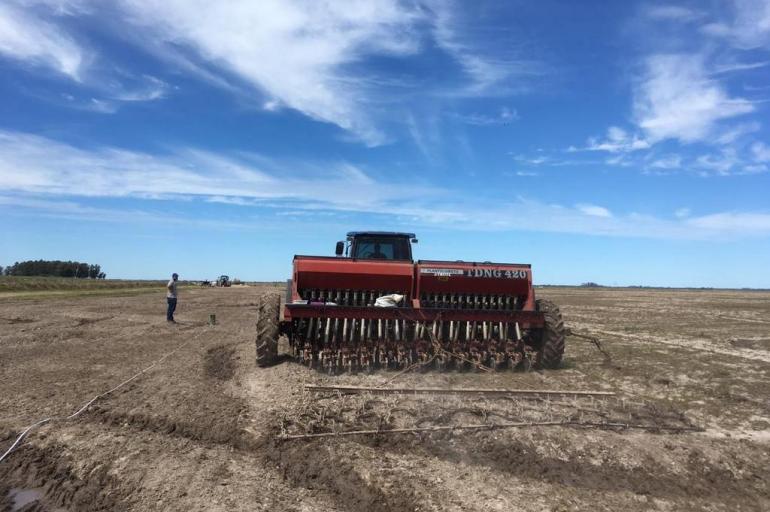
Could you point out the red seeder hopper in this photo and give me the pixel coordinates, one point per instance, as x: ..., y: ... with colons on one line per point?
x: 372, y: 306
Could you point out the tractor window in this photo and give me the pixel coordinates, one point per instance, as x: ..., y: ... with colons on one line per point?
x: 385, y: 248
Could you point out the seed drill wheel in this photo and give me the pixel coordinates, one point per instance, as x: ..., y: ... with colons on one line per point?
x: 553, y: 334
x: 268, y: 309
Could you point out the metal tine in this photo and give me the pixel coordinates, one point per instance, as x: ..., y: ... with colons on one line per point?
x: 485, y: 330
x: 344, y: 330
x: 379, y: 329
x: 327, y: 326
x: 397, y: 330
x: 309, y: 328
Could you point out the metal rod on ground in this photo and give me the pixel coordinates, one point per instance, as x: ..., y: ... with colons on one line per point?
x: 491, y: 427
x: 592, y: 339
x: 444, y: 391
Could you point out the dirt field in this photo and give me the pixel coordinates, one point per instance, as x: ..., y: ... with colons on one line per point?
x: 198, y: 431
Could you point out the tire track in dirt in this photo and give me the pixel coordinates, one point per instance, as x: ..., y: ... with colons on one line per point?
x: 331, y: 468
x: 219, y: 362
x: 693, y: 344
x: 211, y: 432
x: 49, y: 472
x: 700, y: 480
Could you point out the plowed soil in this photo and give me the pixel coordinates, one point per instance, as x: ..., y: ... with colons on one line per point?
x: 201, y: 430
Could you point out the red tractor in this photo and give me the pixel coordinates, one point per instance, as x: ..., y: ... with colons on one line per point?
x: 372, y: 306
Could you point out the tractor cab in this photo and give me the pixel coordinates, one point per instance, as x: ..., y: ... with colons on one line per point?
x: 377, y: 245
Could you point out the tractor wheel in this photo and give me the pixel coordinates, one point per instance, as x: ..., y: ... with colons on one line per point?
x: 268, y: 311
x: 553, y: 334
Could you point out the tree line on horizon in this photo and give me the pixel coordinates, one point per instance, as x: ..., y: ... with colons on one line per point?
x: 54, y: 268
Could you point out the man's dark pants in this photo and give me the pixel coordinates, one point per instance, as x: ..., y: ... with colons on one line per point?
x: 171, y: 309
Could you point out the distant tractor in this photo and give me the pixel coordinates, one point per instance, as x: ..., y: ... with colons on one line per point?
x: 223, y: 281
x: 372, y: 306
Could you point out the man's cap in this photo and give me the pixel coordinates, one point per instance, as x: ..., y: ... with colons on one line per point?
x: 174, y: 275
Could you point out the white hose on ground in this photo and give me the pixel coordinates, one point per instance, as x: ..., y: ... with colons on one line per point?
x: 37, y: 424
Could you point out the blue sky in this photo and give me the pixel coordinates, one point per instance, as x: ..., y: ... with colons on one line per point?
x: 616, y: 142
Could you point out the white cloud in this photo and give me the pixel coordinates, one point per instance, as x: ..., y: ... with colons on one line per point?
x: 617, y: 140
x: 296, y: 52
x: 150, y: 90
x: 731, y: 67
x: 722, y: 163
x: 34, y: 164
x: 504, y: 116
x: 749, y: 26
x: 681, y: 213
x: 101, y: 106
x: 761, y: 152
x: 667, y: 162
x: 730, y: 162
x: 594, y: 211
x: 677, y: 100
x: 672, y: 13
x: 754, y: 169
x: 488, y: 74
x: 28, y: 38
x: 730, y: 135
x: 733, y: 223
x: 44, y: 176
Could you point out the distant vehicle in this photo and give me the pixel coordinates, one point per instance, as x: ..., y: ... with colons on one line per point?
x: 206, y: 283
x: 223, y: 281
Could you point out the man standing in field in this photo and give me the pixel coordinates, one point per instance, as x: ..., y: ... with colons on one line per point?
x: 171, y: 297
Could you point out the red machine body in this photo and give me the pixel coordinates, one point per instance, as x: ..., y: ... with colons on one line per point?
x: 375, y: 307
x: 446, y: 290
